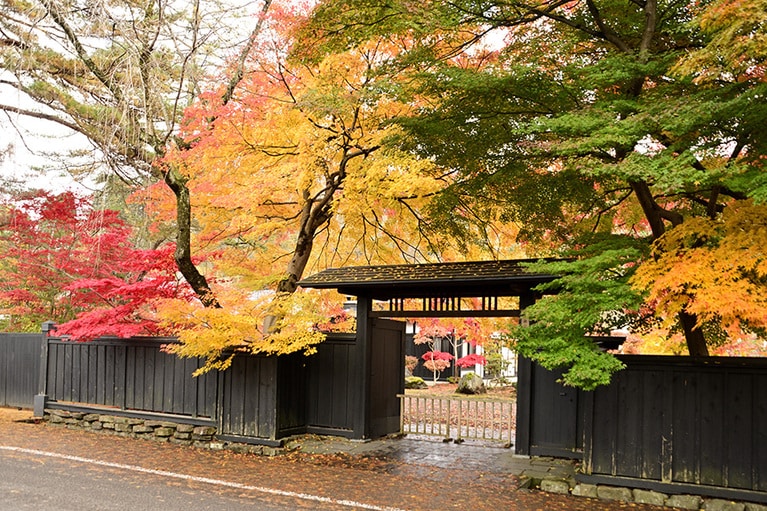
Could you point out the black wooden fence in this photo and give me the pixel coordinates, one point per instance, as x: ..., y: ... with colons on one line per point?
x: 19, y: 368
x: 680, y: 424
x: 675, y: 424
x: 133, y: 375
x: 258, y: 399
x: 671, y: 424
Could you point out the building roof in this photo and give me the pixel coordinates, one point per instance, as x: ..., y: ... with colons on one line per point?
x: 461, y: 279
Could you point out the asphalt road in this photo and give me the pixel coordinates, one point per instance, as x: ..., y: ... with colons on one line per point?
x: 52, y: 468
x: 39, y: 480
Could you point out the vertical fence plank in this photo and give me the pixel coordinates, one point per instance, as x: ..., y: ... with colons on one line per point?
x: 739, y: 431
x: 759, y: 441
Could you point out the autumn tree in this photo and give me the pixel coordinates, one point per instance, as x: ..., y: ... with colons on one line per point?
x: 299, y: 153
x: 714, y: 268
x: 121, y: 73
x: 439, y: 334
x: 591, y: 124
x: 63, y: 260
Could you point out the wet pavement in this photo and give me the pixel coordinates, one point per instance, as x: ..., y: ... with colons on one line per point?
x: 486, y: 459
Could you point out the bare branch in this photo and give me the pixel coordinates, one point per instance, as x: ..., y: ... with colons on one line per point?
x: 239, y: 70
x: 40, y: 115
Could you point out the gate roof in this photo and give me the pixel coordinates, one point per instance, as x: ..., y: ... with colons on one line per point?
x: 460, y: 279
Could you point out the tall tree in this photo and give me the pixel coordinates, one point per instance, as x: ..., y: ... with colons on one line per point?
x: 581, y: 122
x: 121, y: 73
x: 292, y: 175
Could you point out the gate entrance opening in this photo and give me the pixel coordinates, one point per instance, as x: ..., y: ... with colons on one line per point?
x: 499, y: 289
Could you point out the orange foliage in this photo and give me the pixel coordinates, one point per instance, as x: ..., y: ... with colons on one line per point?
x: 715, y: 269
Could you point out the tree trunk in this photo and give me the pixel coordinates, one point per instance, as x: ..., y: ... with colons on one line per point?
x: 314, y: 214
x: 693, y: 336
x: 297, y: 265
x: 696, y: 341
x: 183, y: 255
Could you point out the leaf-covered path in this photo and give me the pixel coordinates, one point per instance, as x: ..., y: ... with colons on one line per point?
x: 357, y: 480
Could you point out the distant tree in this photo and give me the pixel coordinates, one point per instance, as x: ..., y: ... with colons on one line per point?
x: 437, y: 361
x: 438, y: 332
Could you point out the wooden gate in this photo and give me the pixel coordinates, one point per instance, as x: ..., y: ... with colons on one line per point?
x: 329, y: 386
x: 387, y: 376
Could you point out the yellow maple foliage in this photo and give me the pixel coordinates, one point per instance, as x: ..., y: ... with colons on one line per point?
x: 713, y: 268
x: 292, y: 176
x: 240, y: 325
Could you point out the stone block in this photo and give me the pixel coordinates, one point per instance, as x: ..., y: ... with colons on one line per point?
x: 97, y: 426
x: 204, y: 431
x: 160, y: 424
x: 142, y: 429
x: 684, y: 501
x: 91, y: 417
x: 182, y: 436
x: 750, y: 506
x: 123, y: 428
x: 56, y: 419
x: 649, y: 497
x: 130, y: 421
x: 108, y: 425
x: 107, y: 418
x: 585, y: 490
x: 163, y: 432
x: 723, y: 505
x: 614, y: 493
x: 271, y: 451
x: 555, y: 486
x: 245, y: 448
x: 184, y: 428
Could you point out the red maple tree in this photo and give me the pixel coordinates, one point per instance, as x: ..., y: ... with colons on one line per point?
x: 65, y: 261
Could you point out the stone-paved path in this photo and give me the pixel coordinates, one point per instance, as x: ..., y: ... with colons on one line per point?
x: 397, y: 474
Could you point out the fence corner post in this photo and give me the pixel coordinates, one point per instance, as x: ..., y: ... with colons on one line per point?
x: 41, y: 398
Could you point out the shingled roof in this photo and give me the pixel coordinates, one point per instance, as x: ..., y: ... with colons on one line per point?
x: 462, y: 279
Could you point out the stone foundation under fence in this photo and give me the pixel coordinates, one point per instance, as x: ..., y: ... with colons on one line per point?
x: 156, y: 430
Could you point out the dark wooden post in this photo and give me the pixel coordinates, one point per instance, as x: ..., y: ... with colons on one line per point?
x: 524, y: 388
x: 361, y: 374
x: 42, y: 383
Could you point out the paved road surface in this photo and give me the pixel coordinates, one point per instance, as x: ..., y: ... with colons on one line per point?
x: 37, y: 480
x: 44, y: 467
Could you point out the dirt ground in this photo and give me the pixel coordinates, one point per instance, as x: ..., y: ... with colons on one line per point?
x: 440, y: 389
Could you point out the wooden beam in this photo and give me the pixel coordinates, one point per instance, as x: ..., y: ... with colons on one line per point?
x: 512, y: 313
